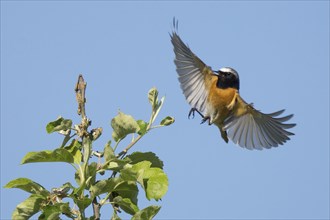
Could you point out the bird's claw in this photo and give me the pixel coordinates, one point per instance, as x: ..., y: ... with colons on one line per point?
x: 205, y: 119
x: 192, y: 112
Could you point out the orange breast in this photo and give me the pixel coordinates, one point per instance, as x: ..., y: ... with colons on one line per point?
x: 219, y: 99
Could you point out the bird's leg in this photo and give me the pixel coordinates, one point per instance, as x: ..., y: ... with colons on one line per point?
x: 192, y: 112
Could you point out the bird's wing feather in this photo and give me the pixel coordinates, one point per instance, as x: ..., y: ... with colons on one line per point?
x: 193, y: 74
x: 252, y: 129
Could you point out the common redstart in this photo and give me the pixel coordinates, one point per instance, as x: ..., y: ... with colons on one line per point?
x: 215, y: 96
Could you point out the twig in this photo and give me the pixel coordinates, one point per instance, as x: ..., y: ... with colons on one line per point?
x: 80, y: 95
x: 96, y: 209
x: 123, y: 152
x: 86, y: 140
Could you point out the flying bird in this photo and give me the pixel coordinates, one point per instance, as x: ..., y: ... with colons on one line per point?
x: 214, y: 95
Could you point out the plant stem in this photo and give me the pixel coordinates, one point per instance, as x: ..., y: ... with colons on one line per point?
x: 96, y: 209
x: 80, y: 95
x: 82, y: 132
x: 129, y: 146
x: 123, y: 152
x: 117, y: 143
x: 156, y: 126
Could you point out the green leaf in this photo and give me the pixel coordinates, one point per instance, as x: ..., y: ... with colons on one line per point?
x: 116, y: 165
x: 137, y: 157
x: 128, y: 189
x: 82, y: 203
x: 58, y: 155
x: 112, y: 162
x: 128, y: 174
x: 126, y: 204
x: 157, y: 183
x: 140, y: 168
x: 123, y: 125
x: 108, y: 152
x: 143, y: 127
x: 146, y: 213
x: 63, y: 190
x: 60, y: 124
x: 28, y: 186
x: 167, y: 121
x: 153, y: 97
x: 158, y: 107
x: 105, y: 186
x: 75, y: 149
x: 87, y: 149
x: 77, y: 191
x: 66, y: 138
x: 52, y: 212
x: 91, y: 173
x: 28, y: 207
x: 152, y: 179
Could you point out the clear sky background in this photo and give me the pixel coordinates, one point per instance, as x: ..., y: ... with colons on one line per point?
x: 279, y: 48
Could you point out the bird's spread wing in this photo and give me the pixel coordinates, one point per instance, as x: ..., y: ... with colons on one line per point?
x: 193, y: 74
x: 252, y: 129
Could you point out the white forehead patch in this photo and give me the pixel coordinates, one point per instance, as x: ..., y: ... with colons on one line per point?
x: 226, y: 69
x: 229, y: 70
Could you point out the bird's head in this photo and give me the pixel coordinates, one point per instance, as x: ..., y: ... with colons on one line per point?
x: 228, y: 78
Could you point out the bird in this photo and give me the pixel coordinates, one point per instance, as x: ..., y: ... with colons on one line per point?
x: 214, y: 95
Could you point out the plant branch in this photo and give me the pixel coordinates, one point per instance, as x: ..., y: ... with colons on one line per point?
x: 156, y: 126
x: 96, y: 209
x: 123, y: 152
x: 115, y: 147
x: 86, y: 139
x: 80, y: 96
x: 149, y: 127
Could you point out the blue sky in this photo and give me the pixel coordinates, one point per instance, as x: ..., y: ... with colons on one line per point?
x: 279, y: 48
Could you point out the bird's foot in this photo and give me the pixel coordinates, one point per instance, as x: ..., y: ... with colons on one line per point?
x: 205, y: 119
x: 192, y: 112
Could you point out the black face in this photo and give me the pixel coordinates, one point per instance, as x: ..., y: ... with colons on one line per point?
x: 228, y: 79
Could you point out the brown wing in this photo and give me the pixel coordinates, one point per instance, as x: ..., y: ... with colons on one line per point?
x: 193, y: 74
x: 252, y: 129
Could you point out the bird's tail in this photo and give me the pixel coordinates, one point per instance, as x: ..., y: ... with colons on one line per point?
x: 223, y: 133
